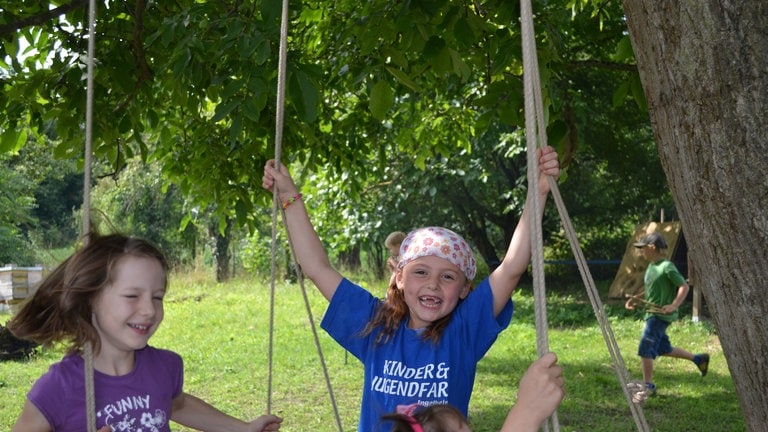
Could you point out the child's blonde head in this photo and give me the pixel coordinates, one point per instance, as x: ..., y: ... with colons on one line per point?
x: 394, y: 239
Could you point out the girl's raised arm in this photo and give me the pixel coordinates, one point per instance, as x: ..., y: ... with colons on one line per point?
x: 507, y: 275
x: 309, y: 250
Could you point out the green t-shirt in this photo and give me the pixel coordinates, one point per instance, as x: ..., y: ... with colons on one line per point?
x: 661, y: 282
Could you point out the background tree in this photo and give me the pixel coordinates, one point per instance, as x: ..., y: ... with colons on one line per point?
x: 16, y: 205
x: 40, y: 198
x: 57, y: 193
x: 703, y: 66
x: 431, y: 84
x: 137, y: 201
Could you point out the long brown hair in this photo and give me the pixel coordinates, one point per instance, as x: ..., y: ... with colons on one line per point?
x: 61, y: 309
x: 393, y: 311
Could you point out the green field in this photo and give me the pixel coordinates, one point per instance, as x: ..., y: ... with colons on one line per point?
x: 222, y: 331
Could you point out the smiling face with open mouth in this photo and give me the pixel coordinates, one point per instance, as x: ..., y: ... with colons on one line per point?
x: 432, y: 287
x: 128, y: 311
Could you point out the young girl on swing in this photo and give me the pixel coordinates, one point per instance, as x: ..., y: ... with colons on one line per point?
x: 419, y: 346
x: 109, y: 294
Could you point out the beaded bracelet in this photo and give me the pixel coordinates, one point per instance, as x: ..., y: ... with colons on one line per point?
x: 291, y: 200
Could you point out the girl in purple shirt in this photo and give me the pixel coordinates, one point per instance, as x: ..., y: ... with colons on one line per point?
x: 106, y: 301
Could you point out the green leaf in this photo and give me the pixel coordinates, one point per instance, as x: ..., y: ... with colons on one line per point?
x: 621, y: 94
x: 459, y: 67
x: 464, y: 33
x: 624, y: 50
x: 271, y: 10
x: 124, y: 125
x: 152, y: 119
x: 556, y: 132
x: 304, y: 96
x: 223, y: 110
x: 508, y: 114
x: 246, y: 46
x: 11, y: 48
x: 241, y: 210
x: 403, y: 78
x: 12, y: 141
x: 230, y: 89
x: 251, y: 110
x: 394, y: 56
x: 263, y: 51
x: 434, y: 47
x: 235, y: 128
x: 638, y: 93
x: 484, y: 121
x: 185, y: 220
x: 381, y: 100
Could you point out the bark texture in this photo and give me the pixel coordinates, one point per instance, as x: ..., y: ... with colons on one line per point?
x: 704, y: 68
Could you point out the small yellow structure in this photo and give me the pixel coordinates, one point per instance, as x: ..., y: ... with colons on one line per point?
x: 629, y: 278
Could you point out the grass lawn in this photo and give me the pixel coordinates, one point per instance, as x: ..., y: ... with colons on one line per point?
x: 222, y: 331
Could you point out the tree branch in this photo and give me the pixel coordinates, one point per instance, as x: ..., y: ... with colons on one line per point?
x: 145, y: 74
x: 602, y: 65
x: 9, y: 29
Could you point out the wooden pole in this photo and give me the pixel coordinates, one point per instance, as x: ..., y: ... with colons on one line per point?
x: 696, y: 292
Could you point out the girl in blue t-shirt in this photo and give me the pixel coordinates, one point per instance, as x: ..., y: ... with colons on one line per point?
x: 420, y: 346
x: 106, y: 301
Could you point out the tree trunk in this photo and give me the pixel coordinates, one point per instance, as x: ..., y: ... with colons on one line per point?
x: 704, y: 68
x: 221, y: 249
x: 350, y: 259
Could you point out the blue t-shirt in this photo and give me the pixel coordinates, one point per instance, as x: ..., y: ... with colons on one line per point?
x: 137, y: 401
x: 408, y: 370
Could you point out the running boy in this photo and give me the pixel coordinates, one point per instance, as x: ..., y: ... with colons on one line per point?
x: 665, y: 291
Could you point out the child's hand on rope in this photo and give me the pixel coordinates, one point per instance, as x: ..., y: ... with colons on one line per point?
x: 265, y: 423
x: 549, y: 166
x: 280, y: 179
x: 541, y: 390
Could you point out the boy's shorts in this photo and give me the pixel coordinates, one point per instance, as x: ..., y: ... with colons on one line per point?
x: 654, y: 341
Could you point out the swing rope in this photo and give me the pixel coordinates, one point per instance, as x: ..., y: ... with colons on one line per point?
x: 535, y: 136
x: 535, y: 128
x: 279, y: 122
x: 90, y: 388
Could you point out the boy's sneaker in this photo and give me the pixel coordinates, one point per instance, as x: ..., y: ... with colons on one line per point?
x: 641, y: 391
x: 703, y: 364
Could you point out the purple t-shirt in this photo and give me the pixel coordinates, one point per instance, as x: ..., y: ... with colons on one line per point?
x: 138, y: 401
